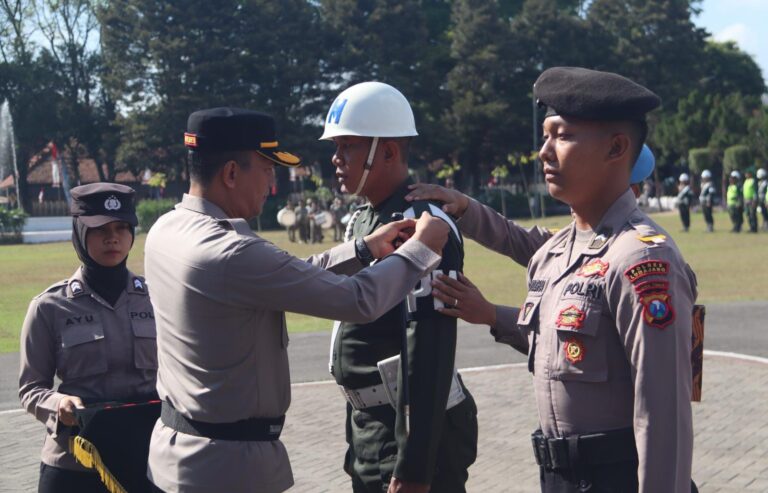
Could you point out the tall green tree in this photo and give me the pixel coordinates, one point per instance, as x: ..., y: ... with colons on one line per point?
x: 479, y: 111
x: 654, y: 42
x: 168, y: 60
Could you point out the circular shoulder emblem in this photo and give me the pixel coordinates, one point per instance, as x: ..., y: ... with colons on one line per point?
x: 112, y: 204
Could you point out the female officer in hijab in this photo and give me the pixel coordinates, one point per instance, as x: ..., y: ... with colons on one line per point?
x: 95, y: 331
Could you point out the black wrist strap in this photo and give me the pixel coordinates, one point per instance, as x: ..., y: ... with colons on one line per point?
x: 362, y: 252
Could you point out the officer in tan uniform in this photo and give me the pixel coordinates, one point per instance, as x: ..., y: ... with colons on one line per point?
x: 94, y: 331
x: 606, y: 323
x: 221, y: 296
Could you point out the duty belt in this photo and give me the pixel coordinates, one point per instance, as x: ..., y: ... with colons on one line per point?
x: 246, y: 430
x: 574, y: 451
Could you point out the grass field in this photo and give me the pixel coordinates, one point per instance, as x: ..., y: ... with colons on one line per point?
x: 729, y: 268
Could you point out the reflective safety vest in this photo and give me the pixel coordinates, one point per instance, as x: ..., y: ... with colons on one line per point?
x: 750, y: 191
x: 732, y: 196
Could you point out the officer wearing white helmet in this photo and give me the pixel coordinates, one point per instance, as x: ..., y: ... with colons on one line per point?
x: 707, y: 199
x: 735, y: 201
x: 406, y: 434
x: 684, y: 199
x: 762, y: 196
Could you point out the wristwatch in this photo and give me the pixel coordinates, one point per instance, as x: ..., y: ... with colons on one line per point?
x: 362, y: 252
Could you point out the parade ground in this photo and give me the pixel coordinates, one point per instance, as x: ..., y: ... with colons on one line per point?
x: 731, y: 441
x: 731, y: 432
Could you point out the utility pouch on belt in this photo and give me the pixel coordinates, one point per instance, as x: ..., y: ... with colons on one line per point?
x: 246, y: 430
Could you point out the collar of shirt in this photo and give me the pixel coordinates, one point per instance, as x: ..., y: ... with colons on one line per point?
x: 394, y: 203
x: 76, y: 285
x: 202, y: 206
x: 613, y: 220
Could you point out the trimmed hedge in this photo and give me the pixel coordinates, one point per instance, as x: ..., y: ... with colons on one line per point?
x: 12, y: 223
x: 149, y: 211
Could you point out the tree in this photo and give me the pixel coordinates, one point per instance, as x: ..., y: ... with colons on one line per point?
x: 166, y: 63
x: 479, y: 111
x: 648, y: 37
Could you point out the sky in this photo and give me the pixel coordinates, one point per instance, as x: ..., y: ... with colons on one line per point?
x: 742, y: 21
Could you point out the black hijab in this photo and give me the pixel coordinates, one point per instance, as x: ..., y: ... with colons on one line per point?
x: 107, y: 282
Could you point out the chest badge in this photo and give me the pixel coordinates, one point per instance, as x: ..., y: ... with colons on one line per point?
x: 574, y: 350
x: 571, y: 317
x: 593, y: 268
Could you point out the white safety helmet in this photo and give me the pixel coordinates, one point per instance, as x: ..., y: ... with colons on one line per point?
x: 735, y: 174
x: 706, y: 174
x: 370, y: 109
x: 761, y: 174
x: 684, y: 177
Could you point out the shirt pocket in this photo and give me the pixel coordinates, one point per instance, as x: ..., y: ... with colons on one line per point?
x: 144, y: 340
x: 581, y: 344
x: 83, y: 348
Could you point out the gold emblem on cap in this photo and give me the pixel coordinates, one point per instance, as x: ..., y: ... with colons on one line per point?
x: 287, y: 157
x: 190, y: 140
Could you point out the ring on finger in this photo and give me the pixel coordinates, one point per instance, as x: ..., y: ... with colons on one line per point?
x: 456, y: 303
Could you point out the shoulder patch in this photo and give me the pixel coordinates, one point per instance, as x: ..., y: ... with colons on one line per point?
x: 647, y: 268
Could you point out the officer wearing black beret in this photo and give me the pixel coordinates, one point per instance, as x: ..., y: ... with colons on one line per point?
x: 95, y: 331
x: 222, y: 292
x: 607, y: 319
x: 606, y: 323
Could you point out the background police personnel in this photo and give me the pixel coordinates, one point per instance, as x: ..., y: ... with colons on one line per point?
x: 95, y: 331
x: 221, y: 296
x: 735, y: 201
x: 607, y: 318
x: 762, y: 196
x: 749, y: 192
x: 707, y: 199
x: 371, y: 124
x: 684, y: 199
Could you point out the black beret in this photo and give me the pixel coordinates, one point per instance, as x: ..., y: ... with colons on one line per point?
x: 97, y: 204
x: 234, y: 129
x: 593, y: 95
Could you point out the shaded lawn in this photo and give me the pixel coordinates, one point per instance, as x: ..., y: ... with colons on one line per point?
x: 729, y: 268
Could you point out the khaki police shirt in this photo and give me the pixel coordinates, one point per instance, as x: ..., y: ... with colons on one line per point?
x: 99, y: 352
x: 608, y: 335
x: 221, y: 296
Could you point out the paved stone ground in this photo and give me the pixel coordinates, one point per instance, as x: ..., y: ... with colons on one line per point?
x: 730, y: 451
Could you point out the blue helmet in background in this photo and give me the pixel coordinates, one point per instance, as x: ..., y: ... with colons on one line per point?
x: 643, y: 166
